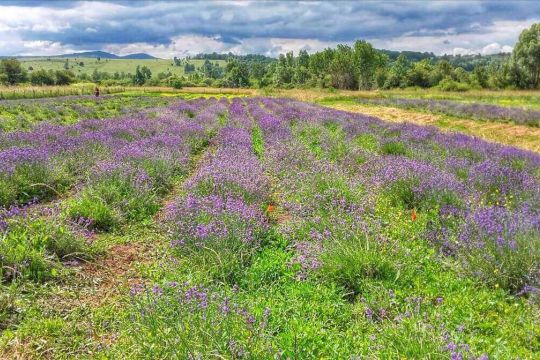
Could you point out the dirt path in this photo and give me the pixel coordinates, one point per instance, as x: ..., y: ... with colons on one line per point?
x: 524, y: 137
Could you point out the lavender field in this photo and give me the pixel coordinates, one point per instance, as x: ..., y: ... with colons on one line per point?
x: 264, y: 228
x: 471, y: 110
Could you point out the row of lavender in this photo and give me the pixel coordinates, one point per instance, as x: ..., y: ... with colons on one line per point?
x: 485, y: 197
x: 469, y: 110
x: 116, y: 171
x: 217, y: 226
x: 321, y: 200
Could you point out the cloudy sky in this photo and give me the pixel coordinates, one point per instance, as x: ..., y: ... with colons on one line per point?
x: 167, y: 29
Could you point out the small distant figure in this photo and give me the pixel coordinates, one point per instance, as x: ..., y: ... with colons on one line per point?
x: 96, y: 92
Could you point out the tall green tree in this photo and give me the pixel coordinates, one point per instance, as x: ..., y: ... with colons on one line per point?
x: 11, y: 72
x: 526, y: 56
x: 342, y: 69
x: 284, y: 70
x: 303, y: 59
x: 96, y: 76
x: 367, y: 61
x: 397, y: 75
x: 141, y: 75
x: 419, y: 74
x: 480, y: 75
x: 319, y: 64
x: 237, y: 74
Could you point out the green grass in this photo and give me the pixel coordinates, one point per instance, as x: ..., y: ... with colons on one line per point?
x: 109, y: 65
x: 24, y: 114
x: 509, y: 99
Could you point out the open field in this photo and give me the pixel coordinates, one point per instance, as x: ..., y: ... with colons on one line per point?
x: 109, y: 65
x: 25, y: 114
x: 525, y: 137
x: 518, y: 98
x: 38, y: 92
x: 505, y: 132
x: 247, y: 227
x: 521, y: 136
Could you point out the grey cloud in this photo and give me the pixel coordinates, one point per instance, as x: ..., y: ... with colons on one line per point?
x: 157, y: 23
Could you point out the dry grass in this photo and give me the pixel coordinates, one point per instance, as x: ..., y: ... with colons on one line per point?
x: 193, y: 90
x: 490, y: 96
x: 36, y: 92
x: 524, y: 137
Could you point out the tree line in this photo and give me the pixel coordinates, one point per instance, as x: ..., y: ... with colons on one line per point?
x: 356, y: 67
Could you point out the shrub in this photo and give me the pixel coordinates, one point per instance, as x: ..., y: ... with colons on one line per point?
x: 354, y: 263
x: 394, y: 148
x: 32, y: 181
x: 101, y: 216
x: 32, y: 246
x: 176, y: 83
x: 192, y: 321
x: 42, y: 77
x: 219, y: 236
x: 502, y: 248
x: 114, y: 197
x: 448, y: 84
x: 413, y: 193
x: 64, y: 77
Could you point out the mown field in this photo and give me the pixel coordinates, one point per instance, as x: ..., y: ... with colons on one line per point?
x: 191, y: 226
x: 109, y: 65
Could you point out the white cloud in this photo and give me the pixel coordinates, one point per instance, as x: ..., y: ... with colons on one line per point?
x: 185, y: 45
x: 180, y: 46
x: 462, y: 51
x: 495, y: 48
x: 481, y: 41
x: 45, y: 48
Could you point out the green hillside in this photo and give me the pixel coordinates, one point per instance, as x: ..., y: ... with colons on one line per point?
x: 107, y: 65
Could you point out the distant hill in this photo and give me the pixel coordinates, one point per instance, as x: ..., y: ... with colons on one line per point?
x: 410, y: 55
x: 226, y: 56
x: 138, y: 56
x: 104, y: 55
x: 468, y: 62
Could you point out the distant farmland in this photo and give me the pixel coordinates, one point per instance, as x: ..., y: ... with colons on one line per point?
x: 108, y: 65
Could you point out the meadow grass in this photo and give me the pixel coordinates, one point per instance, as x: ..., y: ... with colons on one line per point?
x: 26, y: 114
x: 37, y: 92
x: 517, y: 98
x: 127, y: 66
x: 521, y: 136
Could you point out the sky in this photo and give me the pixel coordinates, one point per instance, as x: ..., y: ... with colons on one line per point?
x: 170, y: 28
